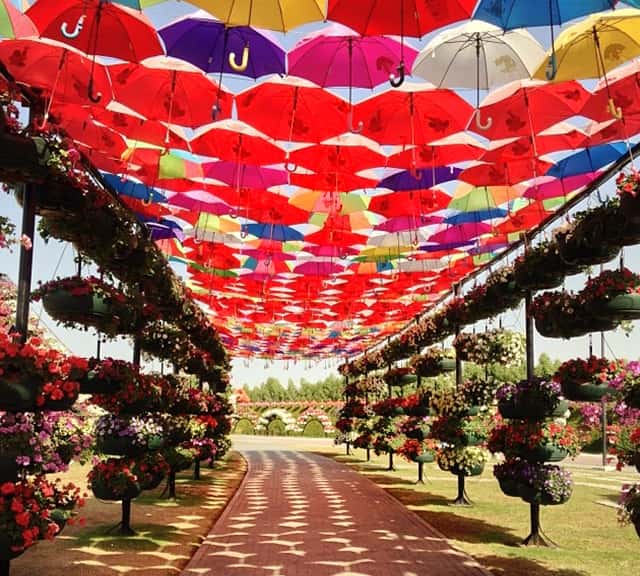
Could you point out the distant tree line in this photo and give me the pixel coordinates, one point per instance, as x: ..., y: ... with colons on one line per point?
x: 271, y: 390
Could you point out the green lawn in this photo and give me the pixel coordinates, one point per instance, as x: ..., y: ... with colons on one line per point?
x: 590, y: 541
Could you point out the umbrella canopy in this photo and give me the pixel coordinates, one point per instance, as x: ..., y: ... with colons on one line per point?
x: 349, y: 153
x: 244, y: 175
x: 403, y: 17
x: 173, y: 83
x: 478, y: 55
x: 460, y: 234
x: 526, y: 107
x: 555, y: 187
x: 409, y: 180
x: 409, y: 222
x: 337, y: 56
x: 287, y: 109
x: 456, y: 148
x: 595, y: 45
x: 509, y: 14
x: 329, y: 201
x: 63, y: 72
x: 410, y: 203
x: 414, y: 114
x: 14, y: 24
x: 279, y: 15
x: 505, y: 173
x: 622, y: 86
x: 588, y: 160
x: 271, y: 231
x: 97, y: 27
x: 236, y: 141
x: 208, y: 44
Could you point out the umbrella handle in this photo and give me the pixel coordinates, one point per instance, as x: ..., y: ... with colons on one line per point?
x: 356, y: 130
x: 244, y: 62
x: 552, y: 68
x: 415, y: 172
x: 482, y: 125
x: 614, y: 110
x: 397, y: 82
x: 290, y: 166
x: 95, y: 98
x: 76, y: 31
x: 148, y: 200
x: 215, y: 111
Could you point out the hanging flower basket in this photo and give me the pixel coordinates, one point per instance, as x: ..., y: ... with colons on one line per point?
x: 546, y: 453
x: 613, y: 294
x: 475, y: 470
x: 113, y: 479
x: 531, y: 409
x: 107, y: 492
x: 87, y: 302
x: 586, y: 391
x: 8, y: 467
x: 587, y: 380
x: 434, y: 361
x: 509, y: 487
x: 624, y: 307
x: 18, y: 393
x: 425, y: 458
x: 400, y: 377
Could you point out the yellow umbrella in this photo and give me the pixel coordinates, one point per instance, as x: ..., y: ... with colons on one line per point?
x: 593, y: 46
x: 280, y: 15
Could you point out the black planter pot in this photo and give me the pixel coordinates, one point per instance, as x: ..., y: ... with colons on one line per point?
x: 531, y: 410
x: 93, y: 384
x: 104, y: 492
x: 546, y: 453
x: 509, y: 487
x: 18, y: 393
x: 585, y: 391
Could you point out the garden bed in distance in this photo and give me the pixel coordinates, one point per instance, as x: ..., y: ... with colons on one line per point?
x: 168, y: 532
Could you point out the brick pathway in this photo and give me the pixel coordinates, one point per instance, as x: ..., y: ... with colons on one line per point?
x: 299, y: 514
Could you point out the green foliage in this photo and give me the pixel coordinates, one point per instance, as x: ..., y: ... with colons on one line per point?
x: 244, y: 426
x: 276, y: 428
x: 313, y: 429
x: 273, y: 391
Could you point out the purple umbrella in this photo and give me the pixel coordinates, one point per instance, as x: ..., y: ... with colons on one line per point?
x: 410, y: 180
x: 208, y: 44
x: 244, y: 176
x: 460, y: 234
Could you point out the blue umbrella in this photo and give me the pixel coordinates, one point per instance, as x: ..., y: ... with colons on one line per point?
x: 408, y: 180
x: 207, y: 43
x: 510, y: 14
x: 133, y: 189
x: 278, y: 232
x: 476, y: 216
x: 588, y: 160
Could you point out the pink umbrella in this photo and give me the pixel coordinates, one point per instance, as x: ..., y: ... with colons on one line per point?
x: 461, y: 233
x: 319, y: 268
x: 244, y: 176
x: 331, y: 250
x: 199, y: 205
x: 555, y: 187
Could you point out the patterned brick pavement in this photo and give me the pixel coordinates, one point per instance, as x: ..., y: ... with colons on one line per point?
x: 300, y: 514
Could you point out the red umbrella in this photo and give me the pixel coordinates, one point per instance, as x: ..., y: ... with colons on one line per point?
x: 415, y: 114
x: 87, y: 131
x: 348, y: 153
x: 456, y: 148
x: 560, y: 137
x: 413, y: 202
x: 612, y: 130
x: 98, y: 28
x: 173, y: 83
x: 402, y: 17
x: 525, y: 219
x: 526, y: 107
x: 236, y: 141
x: 61, y: 71
x: 293, y: 110
x: 136, y: 127
x: 335, y: 237
x: 338, y: 182
x: 263, y: 206
x: 506, y: 173
x: 622, y: 86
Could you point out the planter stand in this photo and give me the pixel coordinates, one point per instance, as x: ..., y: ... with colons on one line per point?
x: 391, y: 467
x: 537, y: 537
x: 368, y: 454
x: 463, y: 498
x: 348, y: 448
x: 196, y: 470
x: 125, y: 523
x: 420, y: 479
x: 170, y: 488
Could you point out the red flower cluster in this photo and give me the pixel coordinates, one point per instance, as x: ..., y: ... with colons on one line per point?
x: 628, y: 183
x: 610, y: 283
x: 594, y: 369
x: 517, y: 438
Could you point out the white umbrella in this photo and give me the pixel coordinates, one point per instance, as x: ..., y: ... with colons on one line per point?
x: 478, y: 55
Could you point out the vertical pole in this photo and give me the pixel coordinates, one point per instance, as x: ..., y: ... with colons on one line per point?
x: 196, y: 470
x: 98, y: 347
x: 391, y: 466
x: 368, y: 454
x: 456, y: 293
x: 461, y: 499
x: 136, y: 351
x: 603, y: 407
x: 26, y: 262
x: 125, y: 524
x: 5, y: 566
x: 420, y: 472
x: 531, y: 362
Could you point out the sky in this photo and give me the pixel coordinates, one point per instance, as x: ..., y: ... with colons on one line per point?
x: 57, y: 259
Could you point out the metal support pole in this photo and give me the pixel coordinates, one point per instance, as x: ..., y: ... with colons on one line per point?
x: 459, y: 373
x: 136, y: 351
x: 531, y: 361
x: 125, y: 524
x: 420, y: 473
x: 26, y: 263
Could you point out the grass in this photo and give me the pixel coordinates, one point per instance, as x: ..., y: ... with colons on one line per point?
x: 590, y: 541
